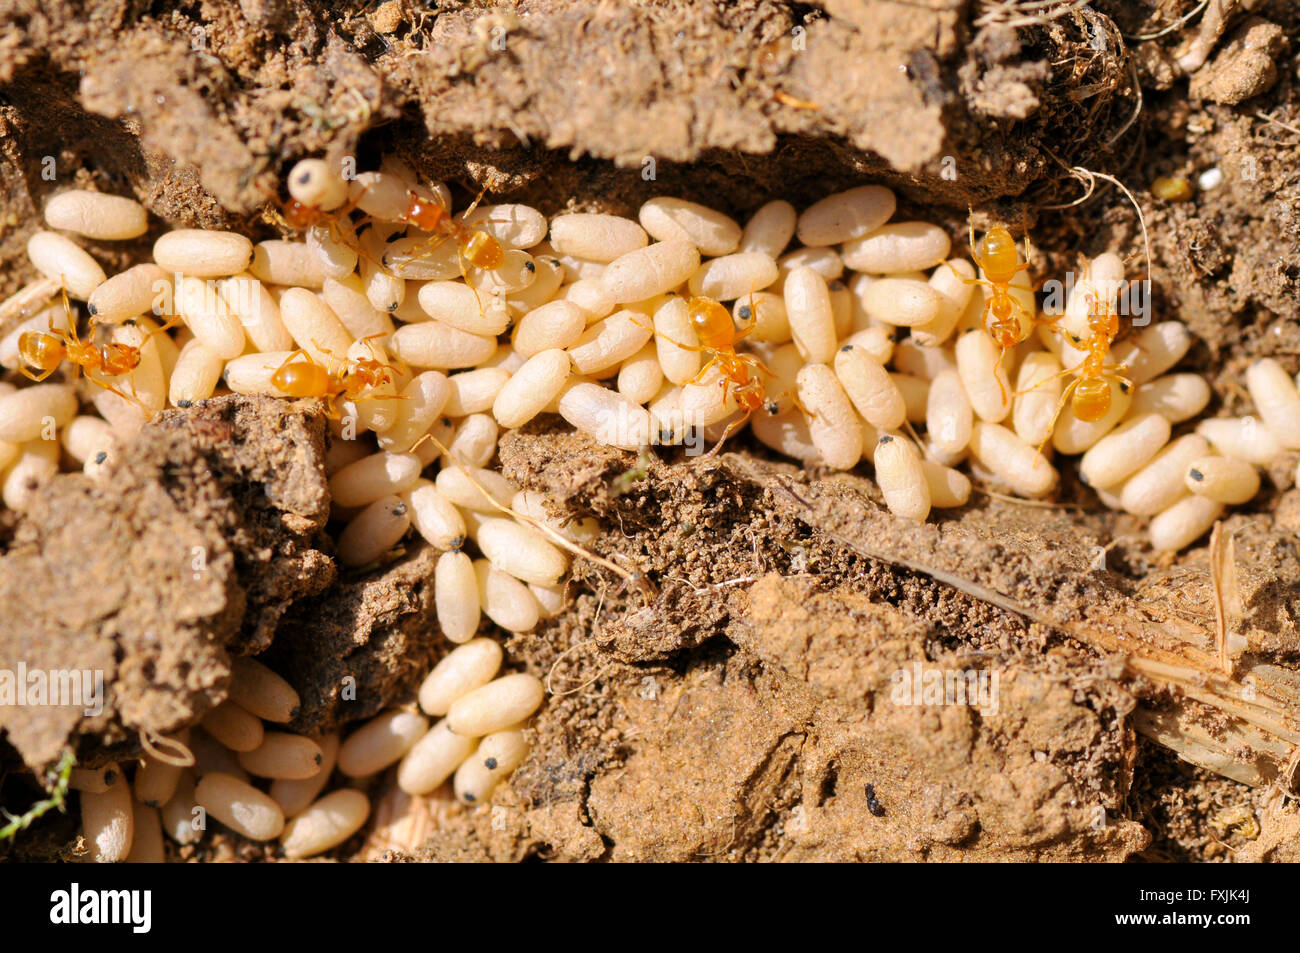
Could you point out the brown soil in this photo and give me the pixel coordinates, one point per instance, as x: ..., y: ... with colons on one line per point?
x: 741, y: 712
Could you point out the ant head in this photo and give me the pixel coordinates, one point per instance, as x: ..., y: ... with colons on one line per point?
x: 299, y: 215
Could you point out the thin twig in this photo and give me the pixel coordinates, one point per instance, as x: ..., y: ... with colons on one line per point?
x: 1181, y: 21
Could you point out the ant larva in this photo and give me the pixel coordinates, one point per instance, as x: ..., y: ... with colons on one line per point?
x: 1004, y: 318
x: 303, y: 378
x: 42, y: 353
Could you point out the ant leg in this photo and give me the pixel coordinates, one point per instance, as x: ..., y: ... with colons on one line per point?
x: 705, y: 369
x: 798, y: 404
x: 350, y: 206
x: 969, y: 281
x: 420, y: 251
x: 997, y: 366
x: 113, y: 390
x: 731, y: 428
x: 33, y: 377
x: 326, y: 351
x: 754, y: 361
x: 670, y: 340
x: 1044, y: 320
x: 1060, y: 407
x: 1119, y: 377
x: 460, y: 254
x: 289, y: 360
x: 474, y: 204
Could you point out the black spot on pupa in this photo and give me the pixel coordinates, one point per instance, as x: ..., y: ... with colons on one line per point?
x: 847, y: 347
x: 744, y: 313
x: 319, y: 758
x: 530, y: 266
x: 185, y: 403
x: 92, y: 309
x: 773, y: 408
x: 110, y: 777
x: 1196, y: 475
x: 885, y: 438
x: 101, y: 457
x: 1123, y: 386
x: 304, y: 176
x: 490, y: 764
x: 469, y: 797
x: 393, y: 307
x: 399, y: 509
x: 457, y: 543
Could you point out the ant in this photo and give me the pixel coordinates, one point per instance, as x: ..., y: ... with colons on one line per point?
x: 473, y: 245
x: 301, y: 217
x: 1004, y: 318
x: 306, y: 378
x: 42, y: 353
x: 1089, y: 392
x: 739, y: 372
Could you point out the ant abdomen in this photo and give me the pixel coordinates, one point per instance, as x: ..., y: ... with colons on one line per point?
x: 302, y: 379
x: 1091, y: 399
x: 712, y: 323
x: 998, y: 256
x: 41, y: 351
x: 483, y: 251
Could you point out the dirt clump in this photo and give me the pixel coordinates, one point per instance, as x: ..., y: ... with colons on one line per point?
x: 185, y: 551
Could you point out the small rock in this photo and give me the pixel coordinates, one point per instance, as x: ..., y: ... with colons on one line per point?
x: 1244, y: 67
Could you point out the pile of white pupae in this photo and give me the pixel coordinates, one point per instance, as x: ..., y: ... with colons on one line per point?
x: 875, y: 345
x: 478, y: 741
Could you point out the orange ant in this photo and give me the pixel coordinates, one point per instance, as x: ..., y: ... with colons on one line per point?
x: 739, y: 372
x: 307, y: 378
x: 1004, y: 318
x: 301, y: 217
x: 1089, y: 392
x: 473, y: 245
x: 42, y: 353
